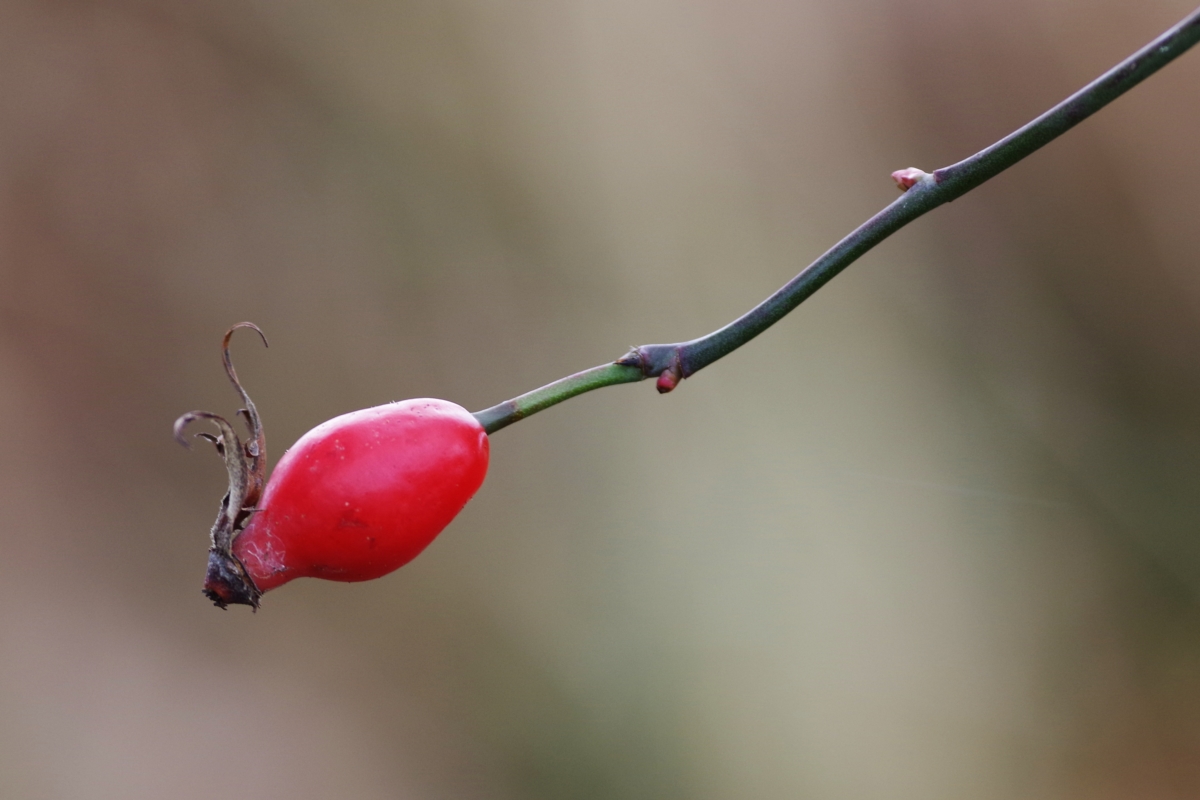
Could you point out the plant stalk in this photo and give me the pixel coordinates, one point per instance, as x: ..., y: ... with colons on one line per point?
x: 923, y: 192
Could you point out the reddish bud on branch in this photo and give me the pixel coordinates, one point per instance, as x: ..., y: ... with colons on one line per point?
x: 667, y: 381
x: 907, y: 178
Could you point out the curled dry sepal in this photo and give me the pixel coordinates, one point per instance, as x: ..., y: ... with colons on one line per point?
x: 227, y: 580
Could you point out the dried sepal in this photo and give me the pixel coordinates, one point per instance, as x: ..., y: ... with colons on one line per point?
x: 227, y: 581
x: 256, y: 448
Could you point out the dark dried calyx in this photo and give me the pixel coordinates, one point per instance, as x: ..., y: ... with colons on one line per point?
x: 227, y: 581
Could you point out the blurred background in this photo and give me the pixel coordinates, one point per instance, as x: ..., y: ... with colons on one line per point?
x: 936, y: 535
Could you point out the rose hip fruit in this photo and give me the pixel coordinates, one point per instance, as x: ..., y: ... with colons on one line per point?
x: 354, y: 499
x: 362, y: 494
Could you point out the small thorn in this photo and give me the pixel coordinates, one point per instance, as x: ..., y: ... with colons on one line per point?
x: 631, y: 359
x: 907, y: 178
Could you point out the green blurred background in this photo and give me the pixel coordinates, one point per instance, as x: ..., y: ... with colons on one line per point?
x: 937, y: 535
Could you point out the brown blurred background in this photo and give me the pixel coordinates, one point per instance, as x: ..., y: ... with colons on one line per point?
x: 937, y: 535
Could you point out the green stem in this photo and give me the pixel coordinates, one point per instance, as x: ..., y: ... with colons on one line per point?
x: 671, y: 363
x: 510, y: 411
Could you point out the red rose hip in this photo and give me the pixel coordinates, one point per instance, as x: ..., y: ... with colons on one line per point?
x: 355, y: 498
x: 362, y: 494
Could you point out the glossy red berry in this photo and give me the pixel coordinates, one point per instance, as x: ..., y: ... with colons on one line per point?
x: 362, y: 494
x: 355, y: 498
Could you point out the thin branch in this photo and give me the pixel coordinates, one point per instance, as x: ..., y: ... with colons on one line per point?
x: 923, y: 192
x: 510, y: 411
